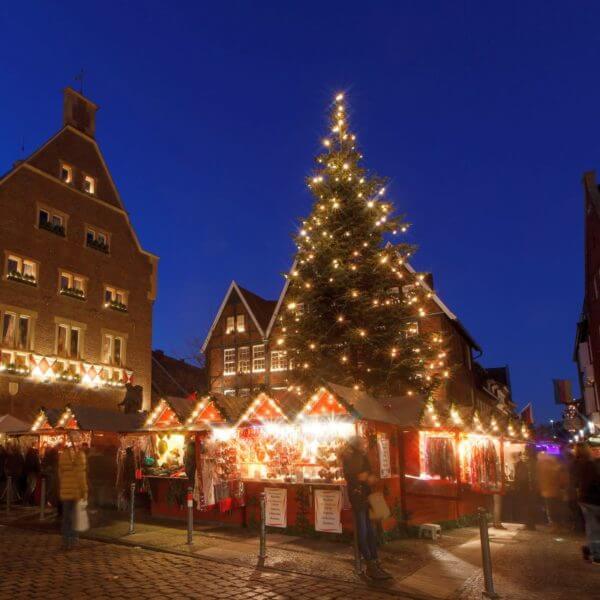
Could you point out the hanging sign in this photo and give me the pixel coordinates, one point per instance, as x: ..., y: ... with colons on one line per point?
x: 328, y: 507
x: 383, y: 445
x: 276, y: 507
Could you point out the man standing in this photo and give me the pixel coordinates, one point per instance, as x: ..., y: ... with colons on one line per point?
x: 72, y: 474
x: 357, y: 472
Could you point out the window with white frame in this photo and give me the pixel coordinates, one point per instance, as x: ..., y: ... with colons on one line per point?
x: 21, y: 269
x: 229, y: 361
x: 113, y: 349
x: 69, y: 340
x: 115, y: 298
x: 412, y: 329
x: 278, y: 360
x: 51, y: 221
x: 16, y: 330
x: 71, y: 284
x: 241, y: 323
x: 230, y: 325
x: 229, y: 392
x: 89, y: 184
x: 258, y: 358
x: 97, y: 239
x: 244, y: 359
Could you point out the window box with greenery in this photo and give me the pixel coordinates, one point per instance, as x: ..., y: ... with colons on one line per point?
x: 22, y: 277
x: 116, y: 305
x: 14, y: 369
x: 73, y: 292
x: 97, y: 245
x: 51, y: 222
x: 53, y: 228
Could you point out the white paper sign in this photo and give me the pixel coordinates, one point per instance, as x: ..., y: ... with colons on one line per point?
x: 276, y: 507
x: 328, y: 508
x: 383, y: 445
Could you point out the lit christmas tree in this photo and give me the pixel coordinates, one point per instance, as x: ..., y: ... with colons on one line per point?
x: 352, y: 305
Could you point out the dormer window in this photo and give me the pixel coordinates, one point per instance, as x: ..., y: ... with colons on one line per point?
x: 66, y: 173
x: 89, y: 184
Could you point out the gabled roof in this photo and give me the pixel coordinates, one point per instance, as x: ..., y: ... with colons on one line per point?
x: 90, y: 418
x: 259, y: 309
x: 10, y: 424
x: 363, y: 405
x: 280, y: 300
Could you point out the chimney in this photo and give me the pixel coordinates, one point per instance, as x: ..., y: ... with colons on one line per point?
x: 79, y: 112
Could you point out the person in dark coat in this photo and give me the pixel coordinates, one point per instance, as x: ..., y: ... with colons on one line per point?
x: 49, y: 467
x: 587, y: 481
x: 13, y: 468
x: 189, y: 461
x: 32, y: 473
x: 359, y: 477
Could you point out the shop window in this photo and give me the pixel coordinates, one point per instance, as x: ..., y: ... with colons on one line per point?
x: 72, y: 285
x: 89, y: 184
x: 98, y: 240
x: 230, y: 325
x: 258, y: 358
x: 115, y: 298
x: 241, y: 323
x: 16, y: 331
x: 20, y: 269
x: 68, y: 340
x: 66, y: 173
x: 113, y: 349
x: 244, y: 359
x: 229, y: 361
x: 278, y: 360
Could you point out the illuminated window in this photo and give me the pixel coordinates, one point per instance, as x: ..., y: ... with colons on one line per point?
x: 115, y: 298
x: 89, y: 184
x: 71, y: 285
x: 278, y: 360
x: 66, y: 173
x: 244, y: 359
x: 229, y: 392
x: 241, y: 323
x: 258, y: 358
x: 229, y: 361
x: 113, y: 349
x: 21, y: 269
x: 68, y: 340
x: 16, y: 331
x: 230, y: 325
x: 412, y: 329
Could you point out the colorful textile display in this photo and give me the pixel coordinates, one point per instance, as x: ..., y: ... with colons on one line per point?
x: 482, y: 464
x: 439, y: 457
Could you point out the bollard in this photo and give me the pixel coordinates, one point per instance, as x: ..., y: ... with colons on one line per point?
x: 131, y: 509
x: 8, y: 492
x: 42, y: 498
x: 486, y: 555
x: 262, y: 549
x: 357, y: 559
x: 190, y: 516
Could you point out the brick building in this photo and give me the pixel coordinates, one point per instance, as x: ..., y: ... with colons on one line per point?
x: 243, y: 356
x: 76, y: 287
x: 587, y: 343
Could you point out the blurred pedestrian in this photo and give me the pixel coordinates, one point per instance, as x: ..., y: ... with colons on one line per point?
x: 32, y: 473
x: 72, y: 474
x: 552, y: 479
x: 359, y: 477
x: 587, y: 474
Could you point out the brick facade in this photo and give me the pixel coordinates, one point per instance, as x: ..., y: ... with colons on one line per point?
x: 35, y: 184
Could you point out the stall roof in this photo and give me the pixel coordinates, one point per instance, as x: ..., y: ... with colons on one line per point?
x: 182, y: 407
x: 10, y: 424
x: 90, y: 418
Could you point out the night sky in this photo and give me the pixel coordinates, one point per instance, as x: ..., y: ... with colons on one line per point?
x: 483, y: 115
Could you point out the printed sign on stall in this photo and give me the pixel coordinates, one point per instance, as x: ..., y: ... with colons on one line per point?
x: 328, y: 508
x: 383, y: 445
x: 276, y: 507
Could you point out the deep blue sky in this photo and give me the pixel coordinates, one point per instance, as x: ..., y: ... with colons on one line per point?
x: 484, y: 116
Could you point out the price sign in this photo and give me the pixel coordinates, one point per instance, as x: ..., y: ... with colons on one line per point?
x: 328, y: 506
x: 276, y: 507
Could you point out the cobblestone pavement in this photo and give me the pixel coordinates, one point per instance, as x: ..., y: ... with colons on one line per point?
x: 538, y: 565
x: 32, y: 566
